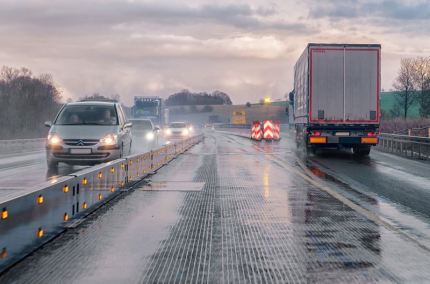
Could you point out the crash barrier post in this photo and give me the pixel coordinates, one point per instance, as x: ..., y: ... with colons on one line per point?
x: 30, y: 219
x: 268, y: 130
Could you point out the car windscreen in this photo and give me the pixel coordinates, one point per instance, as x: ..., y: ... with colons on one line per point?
x: 177, y: 125
x: 142, y: 124
x: 87, y: 115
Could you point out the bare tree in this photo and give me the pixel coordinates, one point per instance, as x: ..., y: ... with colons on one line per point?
x: 26, y: 102
x: 404, y: 85
x: 421, y: 78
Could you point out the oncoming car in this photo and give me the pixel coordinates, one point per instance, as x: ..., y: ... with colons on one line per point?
x: 177, y: 130
x: 145, y: 129
x: 87, y: 133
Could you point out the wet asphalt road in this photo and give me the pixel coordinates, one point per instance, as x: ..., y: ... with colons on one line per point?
x: 20, y: 172
x: 231, y: 210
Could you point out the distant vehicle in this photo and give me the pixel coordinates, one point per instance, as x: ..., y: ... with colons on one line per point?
x: 86, y: 133
x: 177, y: 130
x: 145, y: 128
x: 238, y: 117
x: 148, y: 107
x: 336, y: 101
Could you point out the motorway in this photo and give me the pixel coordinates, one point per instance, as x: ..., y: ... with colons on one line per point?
x: 233, y: 210
x: 23, y: 171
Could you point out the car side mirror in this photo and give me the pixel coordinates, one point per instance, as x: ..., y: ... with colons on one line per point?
x: 48, y: 123
x: 128, y: 125
x: 156, y: 129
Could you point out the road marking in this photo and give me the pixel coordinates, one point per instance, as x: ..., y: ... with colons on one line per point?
x: 365, y: 212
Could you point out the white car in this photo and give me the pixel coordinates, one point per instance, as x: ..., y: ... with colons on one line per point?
x: 87, y: 133
x: 177, y: 130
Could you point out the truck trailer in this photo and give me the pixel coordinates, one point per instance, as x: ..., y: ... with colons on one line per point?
x: 336, y: 96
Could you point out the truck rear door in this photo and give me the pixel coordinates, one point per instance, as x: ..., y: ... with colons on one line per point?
x: 361, y: 84
x: 344, y: 84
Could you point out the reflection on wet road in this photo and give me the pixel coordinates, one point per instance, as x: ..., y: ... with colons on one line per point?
x: 236, y: 211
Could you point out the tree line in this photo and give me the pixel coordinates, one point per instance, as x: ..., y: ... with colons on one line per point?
x: 185, y: 97
x: 26, y: 101
x: 412, y: 85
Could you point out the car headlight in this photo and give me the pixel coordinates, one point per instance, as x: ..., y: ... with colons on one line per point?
x: 185, y: 132
x: 110, y: 139
x: 150, y: 136
x: 167, y: 131
x: 54, y: 139
x: 190, y: 129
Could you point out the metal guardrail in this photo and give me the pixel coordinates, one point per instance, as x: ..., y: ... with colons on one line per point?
x: 404, y: 145
x: 228, y: 125
x: 31, y: 219
x: 18, y: 145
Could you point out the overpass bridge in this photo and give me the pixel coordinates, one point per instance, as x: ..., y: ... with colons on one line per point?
x: 218, y: 208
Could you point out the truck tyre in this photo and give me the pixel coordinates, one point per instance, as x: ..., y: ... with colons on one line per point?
x: 360, y: 151
x: 313, y: 150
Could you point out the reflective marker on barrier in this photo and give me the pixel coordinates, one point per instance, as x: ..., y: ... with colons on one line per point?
x: 65, y: 188
x: 100, y: 196
x: 112, y: 170
x: 84, y: 205
x: 100, y: 175
x: 66, y: 217
x: 112, y: 189
x: 40, y: 199
x: 3, y: 253
x: 4, y: 214
x: 40, y: 233
x: 84, y: 181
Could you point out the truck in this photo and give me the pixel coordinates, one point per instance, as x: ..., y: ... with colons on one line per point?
x: 148, y: 107
x: 336, y: 96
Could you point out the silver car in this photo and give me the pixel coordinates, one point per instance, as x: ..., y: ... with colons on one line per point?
x: 87, y: 133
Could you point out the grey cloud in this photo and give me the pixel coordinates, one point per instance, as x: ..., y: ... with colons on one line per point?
x: 99, y: 14
x: 401, y: 10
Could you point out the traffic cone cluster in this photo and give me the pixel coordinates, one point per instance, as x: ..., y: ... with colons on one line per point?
x: 268, y: 130
x: 277, y: 131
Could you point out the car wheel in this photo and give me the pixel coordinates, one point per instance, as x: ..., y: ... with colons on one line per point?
x: 121, y: 153
x: 52, y: 165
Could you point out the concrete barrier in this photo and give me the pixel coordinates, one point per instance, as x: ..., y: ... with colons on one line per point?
x: 29, y: 220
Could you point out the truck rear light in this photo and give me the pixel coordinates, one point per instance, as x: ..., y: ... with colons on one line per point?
x: 316, y: 133
x: 371, y: 134
x: 369, y: 140
x: 317, y: 140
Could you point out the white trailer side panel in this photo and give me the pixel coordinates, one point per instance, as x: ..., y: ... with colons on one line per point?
x: 301, y: 83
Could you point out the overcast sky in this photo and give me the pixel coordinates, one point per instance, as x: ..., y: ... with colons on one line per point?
x: 245, y: 48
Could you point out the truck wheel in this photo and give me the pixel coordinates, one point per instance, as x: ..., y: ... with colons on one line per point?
x: 360, y: 151
x: 314, y: 150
